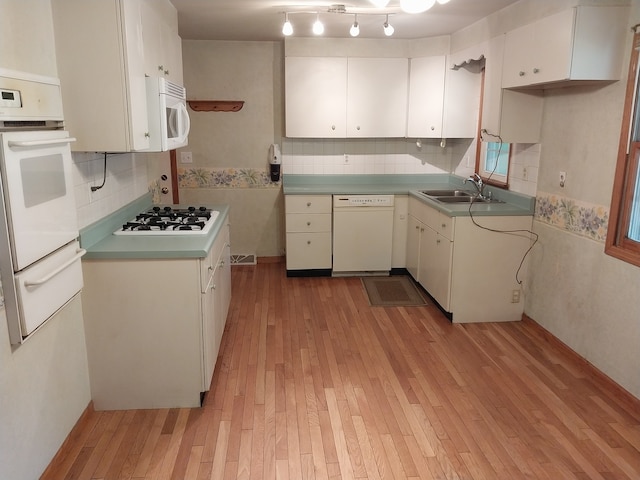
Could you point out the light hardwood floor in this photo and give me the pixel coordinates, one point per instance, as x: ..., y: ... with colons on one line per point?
x: 313, y: 383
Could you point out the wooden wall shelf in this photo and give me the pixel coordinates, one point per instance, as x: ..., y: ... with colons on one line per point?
x: 216, y: 105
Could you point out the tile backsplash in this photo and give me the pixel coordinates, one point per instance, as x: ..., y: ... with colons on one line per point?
x: 126, y: 180
x: 402, y: 156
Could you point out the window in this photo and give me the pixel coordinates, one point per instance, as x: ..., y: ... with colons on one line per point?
x: 492, y: 163
x: 623, y: 235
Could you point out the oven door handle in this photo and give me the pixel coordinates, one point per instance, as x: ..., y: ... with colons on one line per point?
x: 34, y: 283
x: 39, y: 143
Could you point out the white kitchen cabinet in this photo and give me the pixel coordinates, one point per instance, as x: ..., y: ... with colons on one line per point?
x: 470, y: 271
x: 377, y: 97
x: 583, y: 43
x: 316, y: 97
x: 163, y: 46
x: 443, y: 102
x: 338, y: 97
x: 515, y: 116
x: 426, y: 97
x: 308, y: 232
x: 100, y: 52
x: 153, y: 327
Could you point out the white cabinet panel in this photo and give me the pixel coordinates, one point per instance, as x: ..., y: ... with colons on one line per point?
x: 308, y: 231
x: 316, y: 96
x: 583, y: 43
x: 426, y: 97
x: 377, y: 97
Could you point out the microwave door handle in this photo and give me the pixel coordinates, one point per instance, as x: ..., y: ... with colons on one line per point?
x: 34, y: 283
x: 187, y: 122
x: 39, y: 143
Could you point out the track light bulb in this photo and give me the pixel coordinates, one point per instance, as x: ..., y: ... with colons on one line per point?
x: 387, y: 27
x: 380, y: 3
x: 355, y: 28
x: 318, y: 27
x: 287, y: 28
x: 416, y: 6
x: 442, y: 2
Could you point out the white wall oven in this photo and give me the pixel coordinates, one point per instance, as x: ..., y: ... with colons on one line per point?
x: 39, y: 252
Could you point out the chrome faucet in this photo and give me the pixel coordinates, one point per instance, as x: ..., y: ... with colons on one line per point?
x: 477, y: 182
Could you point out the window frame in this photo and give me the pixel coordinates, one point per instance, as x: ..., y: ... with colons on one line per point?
x: 617, y: 243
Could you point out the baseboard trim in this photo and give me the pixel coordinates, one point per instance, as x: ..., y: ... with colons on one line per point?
x: 597, y: 376
x: 277, y: 259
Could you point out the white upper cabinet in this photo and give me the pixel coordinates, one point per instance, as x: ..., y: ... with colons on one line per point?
x: 513, y: 116
x: 584, y: 43
x: 443, y: 102
x: 338, y: 97
x: 163, y: 46
x: 377, y: 97
x: 426, y: 97
x: 316, y: 97
x: 103, y: 58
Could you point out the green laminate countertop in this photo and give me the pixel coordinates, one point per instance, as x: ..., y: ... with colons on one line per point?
x: 515, y: 204
x: 100, y: 242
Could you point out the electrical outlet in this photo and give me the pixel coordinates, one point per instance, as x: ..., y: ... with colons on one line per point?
x: 186, y: 157
x: 515, y: 296
x: 563, y: 178
x: 525, y: 174
x: 346, y: 159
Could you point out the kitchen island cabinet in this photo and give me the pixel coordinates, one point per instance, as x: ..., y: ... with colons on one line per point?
x: 154, y: 325
x: 469, y: 270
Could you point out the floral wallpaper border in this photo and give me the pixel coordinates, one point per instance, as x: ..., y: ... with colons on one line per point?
x: 225, y: 178
x: 582, y: 218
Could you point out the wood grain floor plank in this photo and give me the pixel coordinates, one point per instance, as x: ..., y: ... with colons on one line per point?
x: 314, y: 383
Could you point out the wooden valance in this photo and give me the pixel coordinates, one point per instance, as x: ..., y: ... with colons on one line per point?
x: 216, y: 105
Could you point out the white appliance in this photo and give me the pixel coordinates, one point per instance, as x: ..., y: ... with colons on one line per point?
x: 362, y: 234
x: 39, y: 251
x: 169, y: 122
x: 170, y: 221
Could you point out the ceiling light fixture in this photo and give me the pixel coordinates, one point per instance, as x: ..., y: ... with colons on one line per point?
x: 287, y: 28
x: 416, y: 6
x: 442, y: 2
x: 318, y: 27
x: 354, y: 31
x: 387, y: 27
x: 381, y: 3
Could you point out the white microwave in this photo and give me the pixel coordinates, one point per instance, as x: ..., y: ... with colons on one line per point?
x: 169, y: 122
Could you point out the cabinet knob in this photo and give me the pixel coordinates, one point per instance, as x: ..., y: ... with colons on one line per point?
x: 333, y: 127
x: 417, y: 227
x: 161, y: 68
x: 308, y: 204
x: 166, y: 72
x: 358, y: 127
x: 521, y: 73
x: 432, y: 128
x: 146, y: 135
x: 438, y: 242
x: 422, y: 229
x: 444, y: 225
x: 308, y: 242
x: 536, y: 70
x: 308, y: 224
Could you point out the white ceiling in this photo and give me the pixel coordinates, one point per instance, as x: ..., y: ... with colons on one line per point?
x: 261, y: 20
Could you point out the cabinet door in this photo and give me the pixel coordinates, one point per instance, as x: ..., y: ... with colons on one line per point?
x: 461, y: 111
x: 413, y: 246
x: 377, y: 97
x: 315, y: 96
x: 440, y: 271
x: 426, y: 97
x: 163, y: 46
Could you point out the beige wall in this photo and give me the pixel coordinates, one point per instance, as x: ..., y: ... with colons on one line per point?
x: 251, y: 72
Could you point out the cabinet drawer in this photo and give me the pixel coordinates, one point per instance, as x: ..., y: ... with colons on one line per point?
x: 307, y: 204
x: 308, y: 250
x: 309, y: 222
x: 445, y: 226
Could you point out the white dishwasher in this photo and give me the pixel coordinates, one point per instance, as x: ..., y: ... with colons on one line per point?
x: 362, y: 234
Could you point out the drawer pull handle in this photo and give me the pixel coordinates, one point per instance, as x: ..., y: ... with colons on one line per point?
x: 34, y: 283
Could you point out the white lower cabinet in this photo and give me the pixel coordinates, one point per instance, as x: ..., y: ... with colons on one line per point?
x: 308, y: 232
x: 153, y: 327
x: 469, y: 270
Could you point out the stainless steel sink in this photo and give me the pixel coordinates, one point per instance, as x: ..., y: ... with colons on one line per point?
x: 461, y: 199
x: 446, y: 193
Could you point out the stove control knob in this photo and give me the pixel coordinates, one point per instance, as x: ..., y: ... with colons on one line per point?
x: 203, y: 209
x: 156, y: 209
x: 192, y: 209
x: 167, y: 209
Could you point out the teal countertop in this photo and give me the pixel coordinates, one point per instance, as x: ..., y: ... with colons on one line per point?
x: 515, y: 204
x: 100, y: 243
